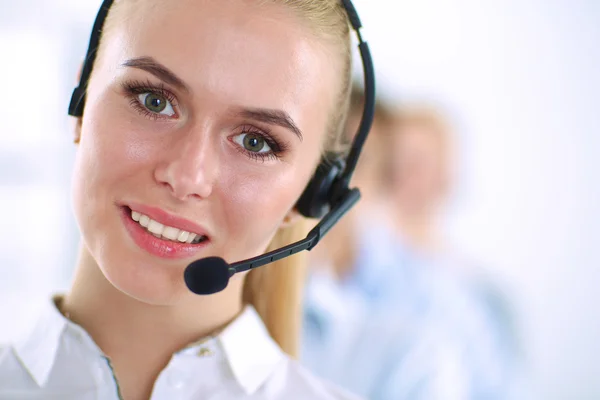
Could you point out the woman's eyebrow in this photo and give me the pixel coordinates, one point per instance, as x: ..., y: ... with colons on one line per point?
x: 152, y: 66
x: 273, y: 117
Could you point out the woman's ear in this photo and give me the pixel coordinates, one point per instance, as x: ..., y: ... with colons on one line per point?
x: 77, y: 121
x: 77, y: 130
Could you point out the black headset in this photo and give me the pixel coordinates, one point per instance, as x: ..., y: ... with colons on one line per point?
x: 326, y: 196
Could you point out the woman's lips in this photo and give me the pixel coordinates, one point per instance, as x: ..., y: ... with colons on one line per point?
x: 167, y: 218
x: 159, y: 247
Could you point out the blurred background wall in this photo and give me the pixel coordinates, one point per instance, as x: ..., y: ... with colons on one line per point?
x: 520, y: 78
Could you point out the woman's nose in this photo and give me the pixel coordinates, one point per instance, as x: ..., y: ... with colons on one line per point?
x: 189, y: 167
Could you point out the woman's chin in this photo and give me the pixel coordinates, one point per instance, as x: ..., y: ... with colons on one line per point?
x: 153, y: 286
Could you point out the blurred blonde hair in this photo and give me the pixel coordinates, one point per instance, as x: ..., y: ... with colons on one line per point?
x: 276, y: 290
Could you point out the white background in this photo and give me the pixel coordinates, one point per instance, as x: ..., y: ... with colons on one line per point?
x: 522, y: 80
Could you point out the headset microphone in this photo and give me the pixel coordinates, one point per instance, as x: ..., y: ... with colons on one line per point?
x: 327, y: 195
x: 208, y: 275
x: 211, y: 275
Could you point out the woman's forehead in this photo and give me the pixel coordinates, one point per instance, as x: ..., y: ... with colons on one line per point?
x: 236, y: 50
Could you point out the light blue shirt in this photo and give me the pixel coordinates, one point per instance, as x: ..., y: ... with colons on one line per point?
x: 375, y: 357
x: 408, y: 326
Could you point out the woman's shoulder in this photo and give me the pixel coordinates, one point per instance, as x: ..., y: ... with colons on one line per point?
x: 300, y: 383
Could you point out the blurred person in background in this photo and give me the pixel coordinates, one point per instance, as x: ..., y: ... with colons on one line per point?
x: 434, y: 279
x: 388, y: 262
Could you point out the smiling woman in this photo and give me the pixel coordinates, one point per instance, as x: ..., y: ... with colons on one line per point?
x: 203, y: 123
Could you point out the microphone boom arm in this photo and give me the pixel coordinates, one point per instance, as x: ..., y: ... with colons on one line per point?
x: 348, y: 200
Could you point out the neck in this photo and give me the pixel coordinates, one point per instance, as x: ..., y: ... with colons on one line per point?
x: 126, y: 329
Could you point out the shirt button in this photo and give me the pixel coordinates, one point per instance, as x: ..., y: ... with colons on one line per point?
x: 205, y: 352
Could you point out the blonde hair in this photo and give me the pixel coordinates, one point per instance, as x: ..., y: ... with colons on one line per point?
x: 276, y: 290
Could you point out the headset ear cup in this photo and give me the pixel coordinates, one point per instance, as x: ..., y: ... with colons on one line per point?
x: 316, y: 200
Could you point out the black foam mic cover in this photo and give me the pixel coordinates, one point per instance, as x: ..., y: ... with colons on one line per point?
x: 207, y: 275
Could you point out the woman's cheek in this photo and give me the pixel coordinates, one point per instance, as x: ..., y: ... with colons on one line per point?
x: 262, y: 203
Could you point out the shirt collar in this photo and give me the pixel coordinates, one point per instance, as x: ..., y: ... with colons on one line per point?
x: 250, y: 351
x: 252, y: 354
x: 37, y: 350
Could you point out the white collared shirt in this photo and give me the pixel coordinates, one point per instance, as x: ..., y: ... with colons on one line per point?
x: 59, y: 360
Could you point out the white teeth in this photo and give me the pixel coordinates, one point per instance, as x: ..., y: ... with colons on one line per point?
x: 135, y: 216
x: 183, y: 236
x: 144, y: 221
x: 170, y: 233
x: 156, y: 227
x: 165, y: 232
